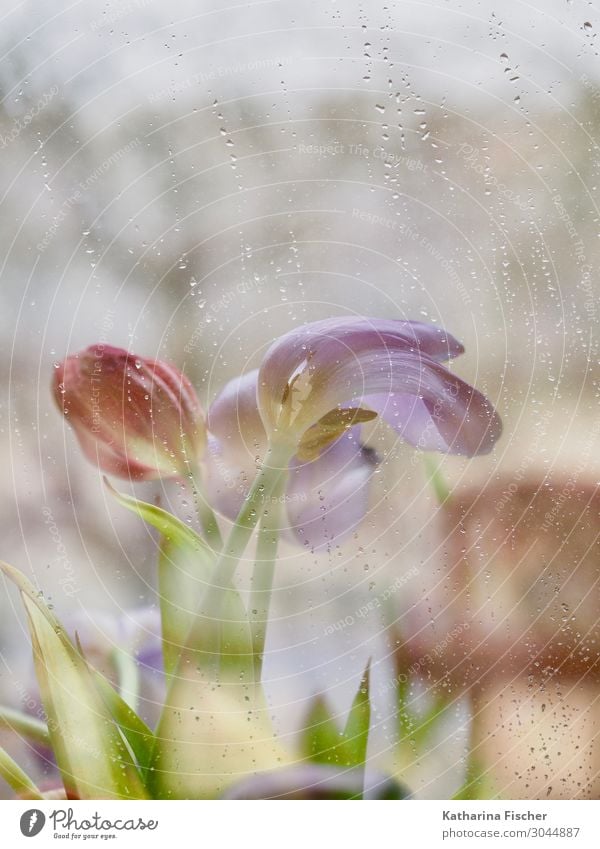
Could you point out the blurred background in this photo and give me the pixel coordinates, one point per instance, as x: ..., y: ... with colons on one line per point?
x: 192, y: 179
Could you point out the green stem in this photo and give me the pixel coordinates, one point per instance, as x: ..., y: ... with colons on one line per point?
x: 273, y: 470
x: 436, y: 478
x: 262, y: 576
x: 477, y: 783
x: 25, y: 725
x: 208, y: 521
x: 14, y: 776
x: 206, y: 517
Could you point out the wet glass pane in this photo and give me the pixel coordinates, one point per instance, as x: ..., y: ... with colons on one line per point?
x: 184, y: 185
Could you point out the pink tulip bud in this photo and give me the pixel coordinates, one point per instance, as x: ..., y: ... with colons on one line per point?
x: 134, y: 417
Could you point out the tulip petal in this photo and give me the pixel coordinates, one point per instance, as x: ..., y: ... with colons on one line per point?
x: 441, y: 413
x: 237, y: 443
x: 328, y: 497
x: 411, y: 418
x: 233, y: 417
x: 446, y: 414
x: 226, y: 483
x: 339, y: 362
x: 134, y: 417
x: 114, y: 462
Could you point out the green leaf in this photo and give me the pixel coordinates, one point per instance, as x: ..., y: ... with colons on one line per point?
x: 356, y: 732
x: 211, y: 734
x: 185, y: 561
x: 185, y: 564
x: 322, y: 742
x: 170, y: 526
x: 475, y: 785
x: 321, y: 737
x: 182, y: 577
x: 24, y: 725
x: 128, y: 675
x: 139, y: 737
x: 16, y: 778
x: 89, y: 750
x: 405, y: 716
x: 436, y: 478
x: 215, y: 725
x: 427, y: 724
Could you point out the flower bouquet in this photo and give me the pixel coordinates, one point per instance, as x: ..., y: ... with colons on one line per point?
x: 282, y: 450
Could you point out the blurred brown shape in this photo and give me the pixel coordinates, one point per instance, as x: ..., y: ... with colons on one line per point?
x: 50, y: 791
x: 522, y: 573
x: 529, y: 554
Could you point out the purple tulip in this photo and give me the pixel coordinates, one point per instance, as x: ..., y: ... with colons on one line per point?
x: 319, y: 375
x: 315, y: 387
x: 325, y: 498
